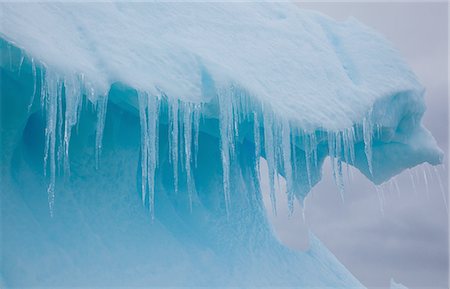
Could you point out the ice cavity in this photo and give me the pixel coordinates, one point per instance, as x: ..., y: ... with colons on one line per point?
x: 309, y: 87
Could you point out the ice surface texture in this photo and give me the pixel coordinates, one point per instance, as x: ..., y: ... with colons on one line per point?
x: 149, y: 120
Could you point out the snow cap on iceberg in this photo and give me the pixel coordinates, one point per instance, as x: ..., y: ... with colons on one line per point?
x: 310, y: 86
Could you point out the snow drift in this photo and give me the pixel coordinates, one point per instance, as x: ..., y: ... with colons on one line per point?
x: 131, y: 138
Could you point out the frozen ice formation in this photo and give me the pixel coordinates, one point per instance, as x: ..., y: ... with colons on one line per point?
x: 395, y: 285
x: 149, y: 120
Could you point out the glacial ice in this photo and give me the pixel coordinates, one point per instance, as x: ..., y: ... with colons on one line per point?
x: 149, y: 121
x: 395, y: 285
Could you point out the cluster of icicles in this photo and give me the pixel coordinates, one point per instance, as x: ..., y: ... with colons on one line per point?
x: 60, y: 120
x: 274, y: 138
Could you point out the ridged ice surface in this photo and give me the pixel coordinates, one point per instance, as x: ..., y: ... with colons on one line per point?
x: 151, y: 119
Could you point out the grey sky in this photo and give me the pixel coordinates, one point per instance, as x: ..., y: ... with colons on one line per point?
x: 410, y: 241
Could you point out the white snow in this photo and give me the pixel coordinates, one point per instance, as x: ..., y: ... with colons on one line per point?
x: 309, y: 68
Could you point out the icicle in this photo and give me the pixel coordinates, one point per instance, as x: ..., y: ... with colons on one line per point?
x: 257, y: 140
x: 173, y: 138
x: 83, y: 98
x: 367, y: 135
x: 427, y: 189
x: 196, y: 116
x: 59, y: 122
x: 187, y: 120
x: 148, y: 112
x: 412, y: 181
x: 50, y: 96
x: 270, y: 150
x: 390, y: 188
x: 348, y: 138
x: 332, y: 153
x: 73, y: 100
x: 142, y: 98
x: 278, y: 145
x: 346, y: 143
x: 101, y: 106
x: 441, y: 187
x: 33, y: 71
x: 22, y: 57
x: 380, y: 199
x: 385, y: 189
x: 236, y: 108
x: 334, y: 149
x: 307, y: 148
x: 352, y: 145
x: 397, y: 188
x: 339, y: 174
x: 43, y: 90
x: 417, y: 176
x: 287, y: 164
x: 226, y: 124
x: 152, y: 126
x: 302, y: 203
x: 181, y: 140
x: 314, y: 147
x: 295, y: 161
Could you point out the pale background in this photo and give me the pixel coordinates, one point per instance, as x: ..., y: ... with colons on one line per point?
x: 409, y: 242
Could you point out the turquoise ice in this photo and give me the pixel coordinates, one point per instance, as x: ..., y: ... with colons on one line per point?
x: 132, y: 134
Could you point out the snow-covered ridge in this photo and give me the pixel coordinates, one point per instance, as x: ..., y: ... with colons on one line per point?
x: 311, y: 69
x: 306, y: 85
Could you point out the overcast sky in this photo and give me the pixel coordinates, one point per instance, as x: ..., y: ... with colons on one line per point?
x: 410, y: 241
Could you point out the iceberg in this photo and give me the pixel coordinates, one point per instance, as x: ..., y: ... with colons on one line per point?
x: 131, y: 136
